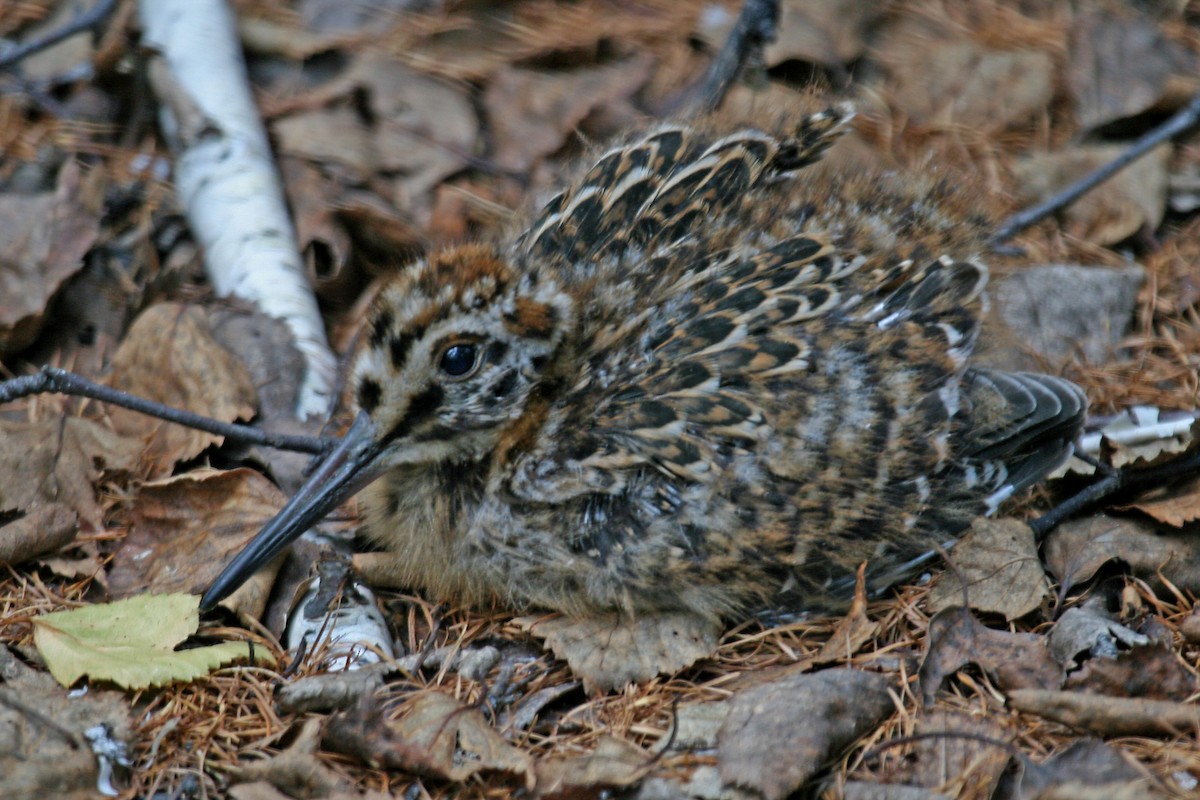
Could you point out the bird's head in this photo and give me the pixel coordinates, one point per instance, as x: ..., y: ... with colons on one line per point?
x: 451, y: 353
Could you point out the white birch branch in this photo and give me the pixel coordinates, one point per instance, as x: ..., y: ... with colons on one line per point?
x: 226, y: 178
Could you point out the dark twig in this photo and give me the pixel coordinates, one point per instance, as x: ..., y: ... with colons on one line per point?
x: 755, y: 28
x: 1118, y: 481
x: 83, y: 21
x: 52, y: 379
x: 1185, y: 118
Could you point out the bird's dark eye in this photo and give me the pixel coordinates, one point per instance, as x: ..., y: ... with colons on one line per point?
x: 458, y: 360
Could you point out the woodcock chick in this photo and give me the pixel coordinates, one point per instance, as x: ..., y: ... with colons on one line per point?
x: 706, y: 378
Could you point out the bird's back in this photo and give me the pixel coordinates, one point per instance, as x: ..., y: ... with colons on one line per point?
x: 767, y: 383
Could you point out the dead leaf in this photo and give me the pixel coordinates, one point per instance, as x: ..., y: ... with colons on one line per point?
x: 378, y: 229
x: 335, y: 135
x: 532, y: 112
x: 1063, y: 312
x: 324, y: 241
x: 524, y: 713
x: 1013, y: 660
x: 608, y: 652
x: 170, y: 355
x: 869, y: 790
x: 41, y: 529
x: 43, y: 239
x: 1120, y: 64
x: 1189, y: 629
x: 942, y: 81
x: 779, y: 734
x: 1087, y: 770
x: 331, y: 691
x: 45, y: 752
x: 954, y: 754
x: 438, y: 736
x: 1090, y: 631
x: 84, y: 562
x: 614, y: 763
x: 830, y: 32
x: 999, y: 560
x: 296, y: 770
x: 1104, y: 657
x: 1116, y: 209
x: 1174, y: 506
x: 1076, y: 549
x: 61, y: 461
x: 427, y: 127
x: 187, y: 527
x: 1153, y: 671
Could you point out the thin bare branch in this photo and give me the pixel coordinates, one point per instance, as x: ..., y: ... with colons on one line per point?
x: 1183, y: 120
x: 83, y: 21
x: 54, y: 380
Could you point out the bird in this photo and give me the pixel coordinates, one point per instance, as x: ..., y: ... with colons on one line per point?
x: 713, y: 374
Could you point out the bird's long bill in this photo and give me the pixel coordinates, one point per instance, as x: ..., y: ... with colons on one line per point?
x: 349, y: 467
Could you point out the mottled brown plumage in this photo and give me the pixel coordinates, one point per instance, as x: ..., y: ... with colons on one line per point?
x: 705, y: 378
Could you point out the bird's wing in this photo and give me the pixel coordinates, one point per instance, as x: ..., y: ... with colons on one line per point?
x: 654, y: 190
x: 685, y: 388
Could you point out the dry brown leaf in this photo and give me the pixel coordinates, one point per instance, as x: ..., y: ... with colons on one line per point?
x: 1104, y: 657
x: 532, y: 112
x: 83, y: 562
x: 869, y: 790
x: 1116, y: 209
x: 1076, y: 549
x: 438, y: 736
x: 427, y: 126
x: 61, y: 460
x: 40, y: 530
x: 777, y: 735
x: 1014, y: 660
x: 1153, y: 671
x: 1087, y: 770
x: 45, y: 752
x: 378, y: 228
x: 422, y: 128
x: 954, y: 755
x: 323, y: 240
x: 170, y: 355
x: 830, y: 32
x: 43, y: 238
x: 335, y: 135
x: 1179, y: 506
x: 614, y: 763
x: 1120, y: 65
x: 1088, y: 631
x: 1146, y: 454
x: 1063, y: 312
x: 607, y: 652
x: 185, y: 528
x: 940, y: 82
x: 999, y: 560
x: 297, y: 770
